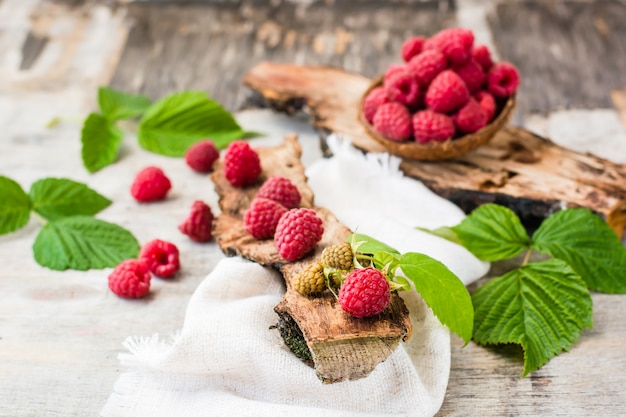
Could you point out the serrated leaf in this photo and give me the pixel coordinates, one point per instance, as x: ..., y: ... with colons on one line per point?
x: 179, y: 120
x: 54, y: 198
x: 492, y: 233
x: 442, y: 291
x: 82, y: 243
x: 117, y: 105
x: 15, y: 206
x: 101, y: 141
x: 588, y: 245
x: 443, y: 232
x: 367, y: 244
x: 542, y: 306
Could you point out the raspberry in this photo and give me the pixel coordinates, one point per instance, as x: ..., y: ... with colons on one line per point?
x: 429, y: 125
x: 281, y: 190
x: 310, y: 281
x: 487, y: 102
x: 241, y: 164
x: 393, y: 70
x: 130, y: 279
x: 201, y: 155
x: 338, y: 256
x: 472, y: 74
x: 373, y: 101
x: 470, y: 117
x: 393, y: 121
x: 160, y: 257
x: 261, y: 218
x: 297, y: 233
x: 503, y: 79
x: 150, y: 184
x: 481, y: 54
x: 402, y: 87
x: 412, y: 47
x: 447, y: 92
x: 365, y: 292
x: 199, y: 223
x: 456, y: 44
x: 427, y: 65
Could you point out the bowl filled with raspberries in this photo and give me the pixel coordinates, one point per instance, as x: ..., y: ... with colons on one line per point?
x: 447, y: 98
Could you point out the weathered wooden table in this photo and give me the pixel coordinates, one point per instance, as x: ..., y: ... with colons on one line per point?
x: 60, y: 332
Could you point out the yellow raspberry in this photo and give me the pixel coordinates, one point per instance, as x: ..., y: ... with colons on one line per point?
x: 338, y: 256
x: 310, y: 281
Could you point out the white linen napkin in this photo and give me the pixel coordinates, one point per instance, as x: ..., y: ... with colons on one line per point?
x: 226, y: 361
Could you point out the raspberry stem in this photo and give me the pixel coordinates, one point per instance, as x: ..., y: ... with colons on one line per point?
x: 527, y: 257
x: 40, y: 219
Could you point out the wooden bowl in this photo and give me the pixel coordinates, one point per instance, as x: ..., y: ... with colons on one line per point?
x: 448, y: 149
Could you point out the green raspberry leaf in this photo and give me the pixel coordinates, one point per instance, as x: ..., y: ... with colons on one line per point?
x: 101, y: 141
x: 54, y: 198
x: 443, y: 232
x: 116, y: 105
x: 179, y: 120
x: 442, y: 291
x: 15, y: 206
x: 492, y: 233
x: 82, y: 243
x: 542, y: 306
x: 583, y: 240
x: 367, y: 244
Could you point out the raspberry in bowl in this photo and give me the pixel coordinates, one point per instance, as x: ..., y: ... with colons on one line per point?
x: 448, y: 99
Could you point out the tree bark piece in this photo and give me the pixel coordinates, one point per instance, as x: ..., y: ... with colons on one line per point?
x: 336, y: 344
x: 520, y: 170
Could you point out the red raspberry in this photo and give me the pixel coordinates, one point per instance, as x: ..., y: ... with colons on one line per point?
x: 472, y: 74
x: 297, y: 233
x: 160, y: 257
x: 201, y: 155
x: 262, y: 216
x: 241, y: 164
x: 130, y: 279
x: 373, y: 101
x: 487, y: 103
x: 412, y: 47
x: 393, y: 121
x: 281, y: 190
x: 393, y: 70
x: 429, y: 125
x: 150, y: 184
x: 402, y: 87
x: 456, y: 44
x: 470, y: 117
x: 447, y: 92
x: 365, y: 292
x: 199, y: 223
x: 503, y: 79
x: 481, y: 54
x: 425, y: 66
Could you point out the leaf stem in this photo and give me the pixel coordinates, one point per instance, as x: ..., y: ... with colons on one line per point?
x: 40, y: 219
x: 527, y: 257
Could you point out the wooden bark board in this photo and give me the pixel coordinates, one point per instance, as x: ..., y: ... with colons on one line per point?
x: 531, y: 175
x: 341, y: 346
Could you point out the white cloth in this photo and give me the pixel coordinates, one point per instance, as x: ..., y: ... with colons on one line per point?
x: 226, y: 361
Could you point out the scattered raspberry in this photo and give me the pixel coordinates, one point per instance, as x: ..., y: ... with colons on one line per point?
x: 470, y: 117
x: 393, y: 70
x: 447, y: 92
x: 338, y: 256
x: 373, y: 101
x: 503, y: 79
x: 201, y: 155
x: 472, y: 74
x: 199, y: 223
x: 241, y: 164
x: 487, y: 103
x: 281, y: 190
x: 297, y: 233
x: 427, y: 65
x: 402, y: 88
x: 160, y: 257
x: 429, y: 125
x: 412, y: 47
x: 150, y: 184
x: 261, y: 218
x: 456, y: 44
x: 310, y: 281
x: 130, y: 279
x: 365, y: 292
x: 481, y: 54
x: 393, y: 121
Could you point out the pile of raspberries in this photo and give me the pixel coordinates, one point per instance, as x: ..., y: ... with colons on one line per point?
x: 447, y: 87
